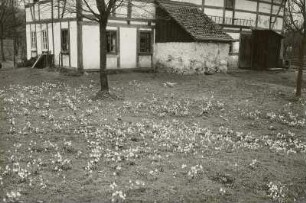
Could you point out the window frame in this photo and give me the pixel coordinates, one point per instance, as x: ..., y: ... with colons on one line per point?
x: 112, y: 33
x: 33, y: 40
x: 45, y: 41
x: 230, y: 6
x: 150, y: 45
x: 65, y: 43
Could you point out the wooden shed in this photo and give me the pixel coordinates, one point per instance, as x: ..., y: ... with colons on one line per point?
x: 260, y: 50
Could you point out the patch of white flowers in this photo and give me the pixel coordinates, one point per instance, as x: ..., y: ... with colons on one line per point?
x: 277, y: 191
x: 194, y: 171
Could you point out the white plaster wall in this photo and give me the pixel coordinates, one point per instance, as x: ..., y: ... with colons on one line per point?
x: 56, y: 6
x: 73, y: 44
x: 65, y: 60
x: 276, y: 9
x: 64, y: 25
x: 122, y: 10
x: 36, y: 16
x: 246, y: 5
x: 265, y: 8
x: 128, y: 47
x: 50, y: 42
x: 190, y: 58
x: 112, y: 61
x: 57, y: 42
x: 143, y: 10
x: 213, y: 12
x: 235, y: 45
x: 45, y: 11
x: 39, y: 39
x: 278, y: 25
x: 263, y: 21
x: 28, y: 38
x: 91, y: 49
x: 28, y: 15
x: 247, y: 16
x: 92, y: 4
x: 228, y: 14
x: 71, y: 5
x: 234, y: 35
x: 214, y: 3
x: 145, y: 61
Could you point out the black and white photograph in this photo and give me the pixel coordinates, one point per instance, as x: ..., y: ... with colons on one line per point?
x: 152, y: 101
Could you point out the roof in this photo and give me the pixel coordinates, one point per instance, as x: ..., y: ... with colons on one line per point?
x: 259, y: 30
x: 194, y: 21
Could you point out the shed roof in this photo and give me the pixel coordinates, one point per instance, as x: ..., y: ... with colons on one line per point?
x: 272, y: 32
x: 194, y: 21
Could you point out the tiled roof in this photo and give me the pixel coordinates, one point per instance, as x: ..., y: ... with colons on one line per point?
x: 194, y: 21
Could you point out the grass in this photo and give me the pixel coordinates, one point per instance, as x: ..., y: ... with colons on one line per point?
x: 238, y: 137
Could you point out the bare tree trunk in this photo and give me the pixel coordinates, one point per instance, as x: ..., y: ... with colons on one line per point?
x: 14, y: 35
x: 103, y: 73
x: 79, y: 36
x: 299, y: 80
x: 2, y: 45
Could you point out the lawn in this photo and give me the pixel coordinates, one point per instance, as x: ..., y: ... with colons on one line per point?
x: 237, y: 137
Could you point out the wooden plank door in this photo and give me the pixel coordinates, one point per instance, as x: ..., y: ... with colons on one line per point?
x: 245, y: 51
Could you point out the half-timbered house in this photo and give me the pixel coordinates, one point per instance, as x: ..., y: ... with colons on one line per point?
x: 141, y: 32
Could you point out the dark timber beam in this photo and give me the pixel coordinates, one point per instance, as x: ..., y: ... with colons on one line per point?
x: 257, y: 10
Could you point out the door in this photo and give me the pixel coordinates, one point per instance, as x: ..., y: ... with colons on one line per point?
x: 245, y: 51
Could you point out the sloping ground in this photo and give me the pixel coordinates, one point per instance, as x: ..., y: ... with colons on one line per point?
x: 223, y: 138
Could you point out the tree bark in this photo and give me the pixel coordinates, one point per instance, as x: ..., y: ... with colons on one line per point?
x: 79, y: 36
x: 299, y: 80
x: 103, y: 73
x: 1, y: 38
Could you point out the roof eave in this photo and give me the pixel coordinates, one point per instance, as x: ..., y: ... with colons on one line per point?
x: 215, y: 40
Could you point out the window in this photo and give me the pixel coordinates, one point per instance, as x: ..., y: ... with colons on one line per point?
x: 229, y: 4
x: 145, y: 42
x: 65, y: 40
x: 33, y: 40
x: 111, y: 42
x: 44, y: 40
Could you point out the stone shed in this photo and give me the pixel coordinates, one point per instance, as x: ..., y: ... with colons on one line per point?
x: 188, y: 41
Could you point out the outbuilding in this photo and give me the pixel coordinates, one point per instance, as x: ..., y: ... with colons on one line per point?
x: 260, y: 50
x: 188, y: 41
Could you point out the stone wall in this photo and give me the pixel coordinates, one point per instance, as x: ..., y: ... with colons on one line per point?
x: 191, y: 58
